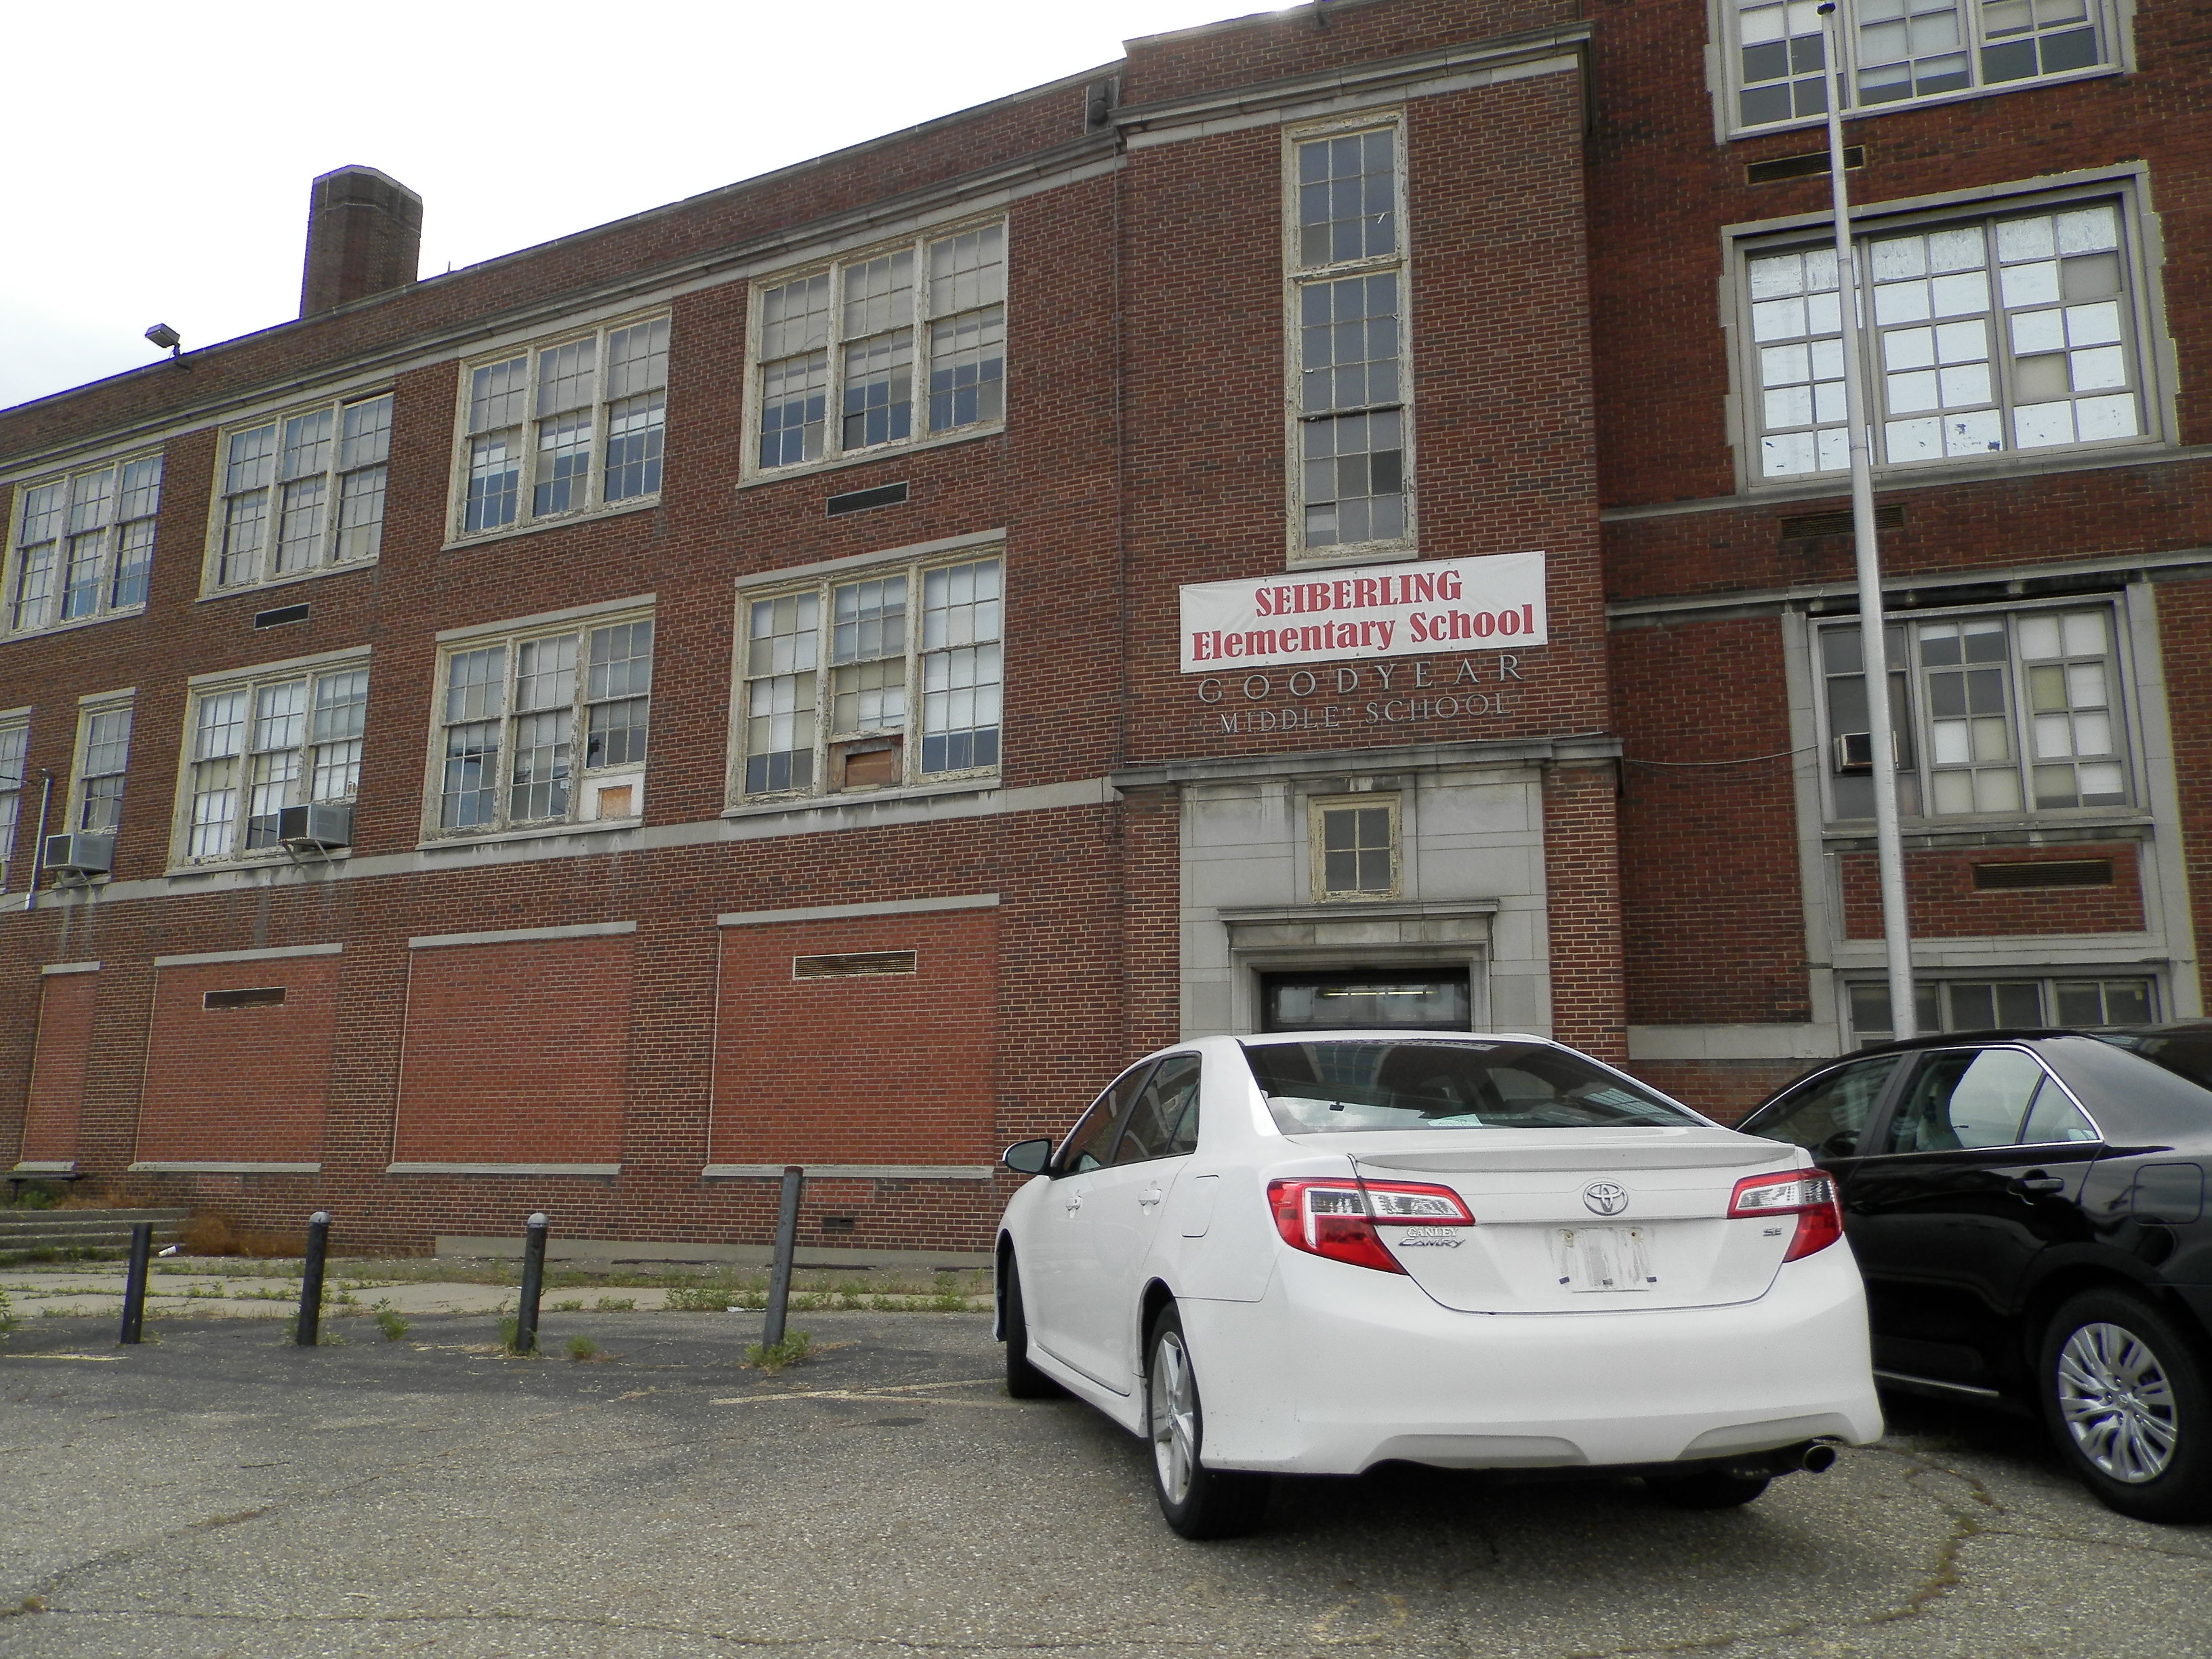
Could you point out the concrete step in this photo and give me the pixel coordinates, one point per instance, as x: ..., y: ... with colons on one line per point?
x: 38, y: 1229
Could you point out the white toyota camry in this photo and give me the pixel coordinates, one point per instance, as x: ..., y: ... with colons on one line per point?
x: 1314, y: 1253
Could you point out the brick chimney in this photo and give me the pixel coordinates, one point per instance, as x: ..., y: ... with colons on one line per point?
x: 364, y: 236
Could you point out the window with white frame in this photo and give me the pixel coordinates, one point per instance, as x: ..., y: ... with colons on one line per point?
x: 103, y: 757
x: 2015, y: 1002
x: 302, y: 493
x: 866, y: 336
x: 258, y: 744
x: 543, y: 727
x: 1355, y: 847
x: 2004, y: 712
x: 84, y: 544
x: 564, y: 428
x: 1350, y: 419
x: 2011, y: 332
x: 887, y: 679
x: 1900, y: 50
x: 14, y: 756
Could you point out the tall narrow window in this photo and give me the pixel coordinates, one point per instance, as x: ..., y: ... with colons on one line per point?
x: 103, y: 757
x: 532, y: 725
x: 259, y: 745
x: 303, y: 493
x: 565, y: 429
x: 14, y: 751
x: 1348, y: 300
x: 1355, y: 848
x: 84, y: 544
x: 925, y: 321
x: 909, y: 677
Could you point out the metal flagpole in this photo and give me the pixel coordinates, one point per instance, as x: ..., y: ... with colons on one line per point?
x: 1889, y: 847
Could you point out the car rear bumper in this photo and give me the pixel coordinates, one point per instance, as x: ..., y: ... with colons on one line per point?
x: 1338, y: 1367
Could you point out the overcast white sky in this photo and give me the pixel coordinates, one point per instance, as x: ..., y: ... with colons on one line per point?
x: 160, y: 154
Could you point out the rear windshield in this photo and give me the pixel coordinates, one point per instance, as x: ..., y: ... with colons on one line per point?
x: 1317, y: 1088
x: 2185, y: 1054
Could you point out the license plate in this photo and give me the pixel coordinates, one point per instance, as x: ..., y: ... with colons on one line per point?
x: 1604, y: 1259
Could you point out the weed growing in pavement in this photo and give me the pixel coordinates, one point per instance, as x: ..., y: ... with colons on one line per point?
x: 773, y: 1356
x: 573, y: 1304
x: 7, y: 1313
x: 510, y: 1324
x: 388, y: 1319
x: 618, y: 1304
x: 582, y: 1347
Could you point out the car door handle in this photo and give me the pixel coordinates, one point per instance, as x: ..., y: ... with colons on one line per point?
x: 1074, y: 1202
x: 2038, y: 1181
x: 1150, y: 1196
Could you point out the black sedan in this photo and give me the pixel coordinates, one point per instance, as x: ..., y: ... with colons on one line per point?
x: 2028, y: 1210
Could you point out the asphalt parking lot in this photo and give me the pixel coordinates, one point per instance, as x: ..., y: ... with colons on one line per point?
x: 218, y: 1493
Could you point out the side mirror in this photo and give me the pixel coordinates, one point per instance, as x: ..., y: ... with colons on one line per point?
x: 1027, y: 1157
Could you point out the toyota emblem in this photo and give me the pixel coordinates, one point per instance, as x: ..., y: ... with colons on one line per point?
x: 1605, y: 1197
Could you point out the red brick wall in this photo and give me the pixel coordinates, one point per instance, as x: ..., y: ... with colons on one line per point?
x: 1724, y: 1090
x: 240, y: 1085
x: 892, y: 1068
x: 1582, y: 875
x: 515, y: 1053
x: 58, y: 1069
x: 2184, y: 620
x: 1941, y: 898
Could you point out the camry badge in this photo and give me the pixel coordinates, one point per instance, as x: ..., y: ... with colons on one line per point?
x: 1605, y: 1197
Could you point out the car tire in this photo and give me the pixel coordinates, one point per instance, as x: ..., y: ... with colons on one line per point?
x: 1023, y: 1380
x: 1197, y: 1502
x: 1708, y: 1489
x: 2124, y: 1394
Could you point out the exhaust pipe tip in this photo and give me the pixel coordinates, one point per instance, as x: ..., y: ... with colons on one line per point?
x: 1818, y: 1458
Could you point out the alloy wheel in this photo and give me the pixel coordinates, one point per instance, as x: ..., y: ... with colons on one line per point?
x: 2116, y: 1401
x: 1175, y: 1416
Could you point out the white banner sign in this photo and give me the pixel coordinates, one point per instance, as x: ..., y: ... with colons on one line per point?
x: 1376, y: 610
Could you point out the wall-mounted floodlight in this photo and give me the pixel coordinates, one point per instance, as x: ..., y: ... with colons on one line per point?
x: 167, y: 338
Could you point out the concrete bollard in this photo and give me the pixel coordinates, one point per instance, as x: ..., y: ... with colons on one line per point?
x: 134, y: 1281
x: 534, y: 1283
x: 787, y: 1247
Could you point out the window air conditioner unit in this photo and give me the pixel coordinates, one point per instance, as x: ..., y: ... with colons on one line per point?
x: 1855, y: 751
x: 323, y: 824
x: 79, y: 855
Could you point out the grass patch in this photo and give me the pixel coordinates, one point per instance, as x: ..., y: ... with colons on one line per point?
x: 582, y: 1347
x: 617, y: 1305
x: 389, y: 1321
x: 773, y: 1356
x: 573, y: 1304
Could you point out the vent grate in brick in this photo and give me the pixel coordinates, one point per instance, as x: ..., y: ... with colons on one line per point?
x: 854, y: 964
x: 1800, y: 525
x: 2045, y: 872
x: 254, y: 996
x: 280, y: 615
x: 1801, y: 166
x: 860, y: 501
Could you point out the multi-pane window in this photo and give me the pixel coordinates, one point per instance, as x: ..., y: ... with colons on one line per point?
x: 2005, y: 713
x: 844, y: 352
x: 303, y: 493
x: 258, y: 746
x: 103, y: 755
x: 545, y: 727
x: 14, y: 751
x: 84, y: 544
x: 1348, y: 302
x: 564, y: 427
x: 2008, y: 334
x: 1355, y: 848
x: 2016, y: 1004
x: 1906, y: 49
x: 906, y: 665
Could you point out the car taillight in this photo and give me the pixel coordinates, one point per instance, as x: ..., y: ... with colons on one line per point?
x: 1336, y: 1218
x: 1807, y: 1194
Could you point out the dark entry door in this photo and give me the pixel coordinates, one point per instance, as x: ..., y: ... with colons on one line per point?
x: 1381, y: 999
